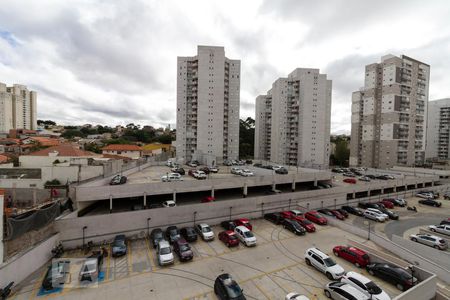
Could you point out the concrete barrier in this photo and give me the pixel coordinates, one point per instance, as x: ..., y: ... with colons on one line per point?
x: 23, y: 264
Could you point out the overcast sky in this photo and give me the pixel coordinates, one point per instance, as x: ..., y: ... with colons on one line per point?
x: 114, y: 62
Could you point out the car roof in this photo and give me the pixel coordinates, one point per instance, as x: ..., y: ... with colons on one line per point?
x: 163, y: 243
x: 318, y: 252
x: 243, y: 220
x: 296, y: 211
x: 181, y: 241
x: 229, y: 232
x: 120, y: 237
x: 356, y: 250
x: 359, y: 277
x: 353, y: 291
x: 203, y: 225
x: 243, y: 228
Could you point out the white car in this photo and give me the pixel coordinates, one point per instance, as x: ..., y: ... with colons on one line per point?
x: 205, y: 231
x: 235, y: 171
x: 296, y: 212
x: 343, y: 291
x: 325, y: 264
x: 374, y: 216
x: 247, y: 173
x: 443, y: 229
x: 245, y: 235
x: 276, y: 167
x: 169, y: 163
x: 199, y: 174
x: 165, y: 254
x: 169, y: 203
x: 365, y: 285
x: 295, y: 296
x: 425, y: 195
x: 171, y: 177
x: 386, y: 216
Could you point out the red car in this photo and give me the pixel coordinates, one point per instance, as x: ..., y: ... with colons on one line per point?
x: 387, y: 203
x: 243, y: 222
x: 208, y: 199
x: 349, y: 180
x: 337, y: 214
x: 301, y: 220
x: 191, y: 172
x: 354, y: 255
x: 315, y: 217
x: 286, y: 214
x: 229, y: 238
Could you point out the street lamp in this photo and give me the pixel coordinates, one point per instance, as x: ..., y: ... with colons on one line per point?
x: 231, y: 207
x: 262, y: 209
x: 195, y: 216
x: 84, y: 228
x: 148, y: 226
x: 290, y: 204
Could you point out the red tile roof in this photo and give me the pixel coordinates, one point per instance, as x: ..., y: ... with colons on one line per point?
x: 44, y: 141
x: 63, y: 150
x: 122, y: 147
x: 114, y: 156
x: 3, y: 159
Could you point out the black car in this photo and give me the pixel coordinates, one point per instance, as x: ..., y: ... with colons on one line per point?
x: 56, y: 275
x: 156, y: 236
x: 371, y: 176
x: 382, y: 177
x: 349, y: 174
x: 353, y: 210
x: 343, y: 212
x: 324, y: 185
x: 445, y: 222
x: 326, y: 211
x: 226, y: 288
x: 337, y: 170
x: 172, y: 234
x: 258, y: 165
x: 392, y: 215
x: 401, y: 278
x: 119, y: 246
x: 275, y: 218
x: 228, y: 225
x: 118, y: 179
x: 180, y: 171
x: 430, y: 202
x: 366, y: 205
x: 282, y: 171
x: 189, y: 234
x: 293, y: 226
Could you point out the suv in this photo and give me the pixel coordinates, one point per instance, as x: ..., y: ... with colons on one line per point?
x: 344, y: 291
x: 171, y: 177
x: 245, y: 235
x: 369, y: 214
x: 119, y: 246
x: 172, y: 234
x: 165, y: 255
x: 156, y: 236
x: 429, y: 240
x: 189, y: 234
x: 322, y: 262
x: 226, y: 288
x: 401, y: 278
x: 183, y: 250
x: 352, y: 254
x: 443, y: 229
x: 365, y: 285
x: 205, y: 231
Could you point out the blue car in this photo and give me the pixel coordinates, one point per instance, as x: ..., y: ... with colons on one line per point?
x: 119, y: 246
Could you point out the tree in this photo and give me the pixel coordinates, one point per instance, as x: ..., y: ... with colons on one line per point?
x: 246, y: 138
x: 342, y: 153
x: 92, y: 147
x: 71, y: 133
x: 164, y: 139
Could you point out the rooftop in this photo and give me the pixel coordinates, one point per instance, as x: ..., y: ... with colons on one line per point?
x: 122, y: 147
x: 63, y: 150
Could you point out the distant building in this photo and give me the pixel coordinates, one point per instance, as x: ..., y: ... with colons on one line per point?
x: 156, y: 149
x: 389, y: 114
x: 438, y: 130
x: 127, y: 150
x: 292, y: 121
x: 208, y: 92
x: 17, y: 108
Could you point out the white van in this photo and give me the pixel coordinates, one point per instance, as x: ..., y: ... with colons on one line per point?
x: 374, y: 216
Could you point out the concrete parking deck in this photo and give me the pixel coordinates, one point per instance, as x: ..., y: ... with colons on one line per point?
x: 270, y: 270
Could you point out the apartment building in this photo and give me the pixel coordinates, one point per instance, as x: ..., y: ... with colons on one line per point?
x: 17, y: 108
x: 292, y: 121
x: 438, y: 129
x: 389, y: 114
x: 208, y: 93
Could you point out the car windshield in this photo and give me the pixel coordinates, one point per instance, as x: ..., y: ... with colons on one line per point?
x: 165, y: 250
x: 372, y: 288
x: 329, y: 262
x: 233, y: 290
x: 190, y: 231
x: 184, y: 248
x: 306, y: 222
x: 232, y: 237
x: 296, y: 226
x: 173, y: 232
x: 158, y: 235
x: 365, y: 256
x: 206, y: 229
x: 248, y: 234
x: 119, y: 243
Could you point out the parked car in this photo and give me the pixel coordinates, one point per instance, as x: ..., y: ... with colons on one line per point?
x: 236, y: 171
x: 229, y: 238
x: 227, y: 163
x: 226, y: 288
x: 189, y: 234
x: 243, y: 222
x: 272, y: 192
x: 442, y: 229
x: 381, y: 177
x: 56, y: 274
x: 430, y: 202
x: 430, y: 240
x: 350, y: 180
x: 169, y: 203
x: 247, y: 173
x: 257, y: 165
x: 349, y: 174
x: 118, y: 179
x: 369, y: 205
x: 425, y: 195
x: 337, y: 214
x: 371, y: 176
x: 293, y: 226
x: 364, y: 178
x: 393, y: 274
x: 192, y: 164
x: 434, y: 194
x: 354, y: 255
x: 205, y: 170
x: 295, y: 296
x: 392, y: 215
x: 183, y: 250
x: 326, y: 211
x: 172, y: 234
x: 353, y: 210
x: 386, y: 203
x: 445, y: 222
x: 397, y: 201
x: 374, y: 216
x: 228, y: 225
x: 447, y: 196
x: 282, y: 171
x: 379, y: 211
x: 214, y: 169
x: 325, y: 264
x: 365, y: 285
x: 178, y: 170
x: 275, y: 218
x: 343, y: 291
x: 171, y: 177
x: 205, y: 231
x: 164, y: 253
x: 208, y: 199
x: 245, y: 236
x: 337, y: 170
x: 156, y: 236
x: 343, y: 212
x: 305, y: 223
x: 199, y: 175
x: 315, y: 217
x: 119, y: 246
x: 169, y: 163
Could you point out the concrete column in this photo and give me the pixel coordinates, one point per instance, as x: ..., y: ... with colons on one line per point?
x: 212, y: 192
x: 34, y: 197
x: 293, y: 185
x: 274, y: 186
x: 175, y: 195
x: 245, y: 190
x: 110, y: 204
x: 382, y: 190
x: 395, y: 189
x: 145, y: 200
x: 353, y: 195
x: 368, y: 193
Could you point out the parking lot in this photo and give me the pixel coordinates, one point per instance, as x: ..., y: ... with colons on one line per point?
x: 270, y: 270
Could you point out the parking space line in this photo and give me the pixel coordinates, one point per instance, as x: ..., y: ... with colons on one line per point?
x: 129, y: 259
x: 261, y: 290
x: 108, y: 263
x: 152, y: 263
x: 37, y: 284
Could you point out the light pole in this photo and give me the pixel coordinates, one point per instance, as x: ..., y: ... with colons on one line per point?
x: 290, y: 204
x: 148, y: 226
x: 231, y: 207
x: 195, y: 216
x: 262, y: 209
x: 84, y: 228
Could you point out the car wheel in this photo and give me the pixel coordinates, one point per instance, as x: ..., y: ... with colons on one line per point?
x: 432, y: 229
x: 228, y: 245
x: 357, y: 265
x: 436, y: 247
x: 400, y: 287
x: 336, y: 253
x: 308, y: 262
x: 414, y: 239
x: 371, y: 272
x: 329, y: 276
x: 327, y: 293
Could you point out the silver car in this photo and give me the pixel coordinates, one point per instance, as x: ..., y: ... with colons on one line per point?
x: 443, y: 229
x: 429, y: 240
x: 343, y: 291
